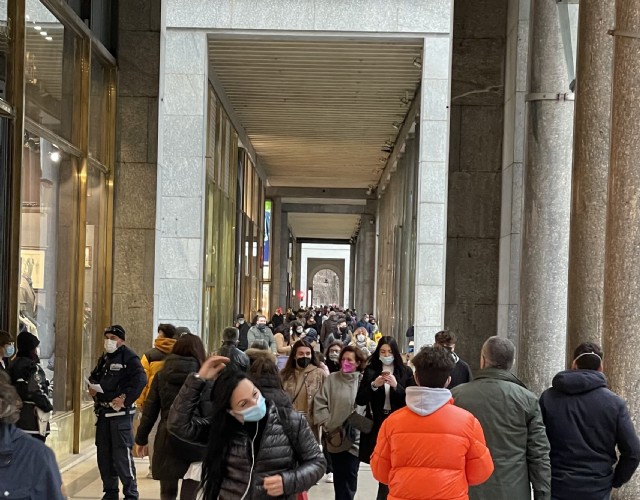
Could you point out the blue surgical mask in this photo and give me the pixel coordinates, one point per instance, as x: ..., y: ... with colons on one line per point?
x: 386, y: 360
x: 10, y: 350
x: 255, y: 413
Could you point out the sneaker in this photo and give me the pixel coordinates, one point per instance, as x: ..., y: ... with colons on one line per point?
x: 329, y: 478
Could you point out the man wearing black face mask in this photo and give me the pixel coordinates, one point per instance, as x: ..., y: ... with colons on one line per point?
x: 262, y: 332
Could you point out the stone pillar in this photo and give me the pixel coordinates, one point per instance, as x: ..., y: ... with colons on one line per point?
x: 547, y: 200
x: 277, y: 263
x: 136, y: 172
x: 590, y: 174
x: 366, y: 257
x: 352, y: 275
x: 622, y: 267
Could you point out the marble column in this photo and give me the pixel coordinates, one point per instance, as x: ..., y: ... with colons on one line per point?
x: 547, y: 200
x: 352, y: 275
x: 621, y: 325
x: 590, y: 174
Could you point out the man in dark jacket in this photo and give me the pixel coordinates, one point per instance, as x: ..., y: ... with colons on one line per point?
x: 513, y: 427
x: 116, y: 382
x: 229, y: 350
x: 243, y: 329
x: 7, y: 349
x: 461, y: 373
x: 585, y: 423
x: 28, y: 468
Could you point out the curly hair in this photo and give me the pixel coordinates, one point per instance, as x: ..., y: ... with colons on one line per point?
x: 10, y: 403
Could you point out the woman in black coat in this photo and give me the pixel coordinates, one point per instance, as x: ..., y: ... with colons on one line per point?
x: 382, y: 391
x: 30, y: 381
x: 171, y: 458
x: 256, y: 450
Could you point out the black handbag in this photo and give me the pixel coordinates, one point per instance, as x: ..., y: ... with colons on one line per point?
x: 360, y: 422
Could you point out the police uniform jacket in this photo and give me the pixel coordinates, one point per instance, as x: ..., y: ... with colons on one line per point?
x: 118, y: 373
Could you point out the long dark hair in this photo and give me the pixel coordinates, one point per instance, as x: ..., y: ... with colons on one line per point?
x: 290, y: 368
x: 223, y: 427
x: 374, y: 360
x: 190, y: 346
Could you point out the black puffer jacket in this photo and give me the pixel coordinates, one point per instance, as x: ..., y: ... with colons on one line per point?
x: 585, y: 423
x: 31, y: 383
x: 237, y: 357
x: 287, y: 447
x: 169, y: 459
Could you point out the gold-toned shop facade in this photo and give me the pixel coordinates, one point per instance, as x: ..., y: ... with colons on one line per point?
x: 57, y: 130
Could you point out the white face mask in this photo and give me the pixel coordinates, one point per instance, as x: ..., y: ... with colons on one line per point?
x: 241, y: 322
x: 110, y: 345
x: 360, y: 338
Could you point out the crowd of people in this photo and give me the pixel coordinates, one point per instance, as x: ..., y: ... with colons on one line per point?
x: 289, y: 400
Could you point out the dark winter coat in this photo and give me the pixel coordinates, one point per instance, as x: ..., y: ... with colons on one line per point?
x: 28, y: 469
x: 287, y: 447
x: 187, y: 417
x: 33, y: 388
x: 119, y: 372
x: 585, y: 422
x: 169, y: 460
x: 243, y: 341
x: 237, y: 357
x: 461, y: 374
x: 374, y: 403
x: 510, y: 417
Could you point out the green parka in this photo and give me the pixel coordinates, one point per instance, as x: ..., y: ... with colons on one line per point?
x: 512, y: 422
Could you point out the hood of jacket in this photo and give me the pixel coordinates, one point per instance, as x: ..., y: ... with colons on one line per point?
x: 177, y: 368
x: 579, y: 381
x: 164, y: 345
x: 499, y: 374
x: 260, y: 353
x: 424, y: 401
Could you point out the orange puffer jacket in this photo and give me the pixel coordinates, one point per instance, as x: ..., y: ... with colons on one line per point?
x: 433, y: 453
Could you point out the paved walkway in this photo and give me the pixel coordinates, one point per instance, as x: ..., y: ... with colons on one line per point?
x: 82, y: 482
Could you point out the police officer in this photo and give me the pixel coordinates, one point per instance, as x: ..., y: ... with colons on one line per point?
x: 121, y: 378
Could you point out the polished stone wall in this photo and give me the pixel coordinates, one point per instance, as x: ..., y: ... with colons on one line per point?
x: 136, y: 170
x: 475, y: 171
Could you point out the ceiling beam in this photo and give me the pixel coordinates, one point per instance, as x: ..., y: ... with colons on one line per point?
x: 319, y: 192
x: 302, y: 208
x: 324, y: 241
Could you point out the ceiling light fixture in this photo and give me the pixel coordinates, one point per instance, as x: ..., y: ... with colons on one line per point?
x: 37, y: 28
x: 417, y: 62
x: 55, y: 156
x: 396, y: 125
x: 48, y: 38
x: 43, y: 33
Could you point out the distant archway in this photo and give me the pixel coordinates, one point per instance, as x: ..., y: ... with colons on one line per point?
x: 326, y: 288
x: 315, y: 265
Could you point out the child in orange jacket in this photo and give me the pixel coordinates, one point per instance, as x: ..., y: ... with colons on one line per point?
x: 431, y: 449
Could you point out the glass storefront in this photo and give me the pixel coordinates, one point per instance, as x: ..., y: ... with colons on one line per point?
x: 234, y: 222
x: 66, y: 173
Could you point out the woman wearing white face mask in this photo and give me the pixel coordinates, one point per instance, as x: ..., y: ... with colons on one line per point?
x: 256, y: 451
x: 33, y: 387
x: 361, y: 340
x: 7, y: 350
x: 382, y: 391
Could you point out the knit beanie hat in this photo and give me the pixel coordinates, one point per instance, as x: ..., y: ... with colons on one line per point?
x: 27, y: 342
x: 116, y: 330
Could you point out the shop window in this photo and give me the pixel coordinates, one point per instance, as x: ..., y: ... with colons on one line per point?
x: 94, y: 270
x: 100, y: 111
x: 52, y: 79
x: 47, y: 257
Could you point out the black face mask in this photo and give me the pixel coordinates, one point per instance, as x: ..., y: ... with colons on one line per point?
x: 262, y: 328
x: 344, y: 329
x: 303, y: 362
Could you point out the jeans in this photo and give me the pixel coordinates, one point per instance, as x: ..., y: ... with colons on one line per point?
x: 345, y: 475
x: 383, y: 491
